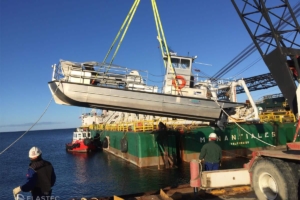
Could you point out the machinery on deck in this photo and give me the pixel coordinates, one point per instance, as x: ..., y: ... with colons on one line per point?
x: 273, y: 174
x: 276, y: 174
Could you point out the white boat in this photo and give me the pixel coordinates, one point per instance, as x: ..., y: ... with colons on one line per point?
x: 111, y: 87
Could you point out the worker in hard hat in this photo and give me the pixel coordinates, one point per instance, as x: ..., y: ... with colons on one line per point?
x: 211, y: 153
x: 40, y: 177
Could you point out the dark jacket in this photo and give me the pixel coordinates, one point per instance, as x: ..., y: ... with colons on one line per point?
x: 211, y: 152
x: 40, y: 177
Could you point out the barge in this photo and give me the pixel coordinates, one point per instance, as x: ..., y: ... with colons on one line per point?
x: 148, y: 127
x: 145, y: 143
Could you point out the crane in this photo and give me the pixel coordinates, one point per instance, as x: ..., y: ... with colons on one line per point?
x: 278, y: 51
x: 271, y: 170
x: 252, y: 48
x: 254, y: 83
x: 273, y: 174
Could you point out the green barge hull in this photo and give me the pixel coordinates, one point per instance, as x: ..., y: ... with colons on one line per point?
x: 167, y: 148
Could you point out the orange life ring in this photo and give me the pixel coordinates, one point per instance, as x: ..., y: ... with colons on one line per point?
x: 183, y: 82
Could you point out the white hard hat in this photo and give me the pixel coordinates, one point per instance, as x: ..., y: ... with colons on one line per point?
x: 34, y: 152
x: 212, y: 135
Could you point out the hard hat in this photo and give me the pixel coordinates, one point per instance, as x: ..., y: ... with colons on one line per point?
x: 213, y: 135
x: 34, y: 152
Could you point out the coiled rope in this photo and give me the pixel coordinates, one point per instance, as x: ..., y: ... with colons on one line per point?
x: 32, y: 124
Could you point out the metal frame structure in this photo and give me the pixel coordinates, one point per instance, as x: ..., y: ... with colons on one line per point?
x: 260, y: 82
x: 281, y: 54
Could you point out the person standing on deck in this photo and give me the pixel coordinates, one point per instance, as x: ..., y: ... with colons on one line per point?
x: 211, y: 152
x: 40, y: 176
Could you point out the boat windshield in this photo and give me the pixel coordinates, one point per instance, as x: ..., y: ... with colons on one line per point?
x: 180, y: 63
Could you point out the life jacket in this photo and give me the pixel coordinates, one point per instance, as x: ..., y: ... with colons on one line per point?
x: 44, y: 172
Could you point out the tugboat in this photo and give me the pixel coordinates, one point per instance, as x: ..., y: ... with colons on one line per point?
x: 83, y: 141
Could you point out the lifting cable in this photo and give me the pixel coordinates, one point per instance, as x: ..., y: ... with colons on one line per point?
x: 297, y: 14
x: 251, y: 48
x: 126, y: 23
x: 163, y: 43
x: 32, y: 124
x: 246, y: 68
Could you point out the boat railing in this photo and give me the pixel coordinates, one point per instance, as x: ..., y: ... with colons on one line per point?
x: 182, y: 125
x: 147, y: 125
x: 280, y: 116
x: 101, y: 74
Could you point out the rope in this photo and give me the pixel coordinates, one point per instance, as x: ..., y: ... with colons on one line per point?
x: 155, y: 81
x: 242, y: 127
x: 125, y: 133
x: 32, y: 125
x: 155, y: 75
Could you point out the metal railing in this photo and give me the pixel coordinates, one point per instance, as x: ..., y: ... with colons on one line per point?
x: 280, y: 116
x: 146, y: 125
x: 101, y: 74
x: 181, y: 125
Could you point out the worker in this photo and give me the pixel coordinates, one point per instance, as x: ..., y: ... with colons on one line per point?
x: 211, y: 153
x: 40, y: 177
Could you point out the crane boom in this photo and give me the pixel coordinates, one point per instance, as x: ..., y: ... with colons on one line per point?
x: 254, y: 83
x: 280, y: 53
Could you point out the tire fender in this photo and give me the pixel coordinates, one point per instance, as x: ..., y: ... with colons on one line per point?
x: 124, y: 145
x: 105, y: 143
x: 87, y: 141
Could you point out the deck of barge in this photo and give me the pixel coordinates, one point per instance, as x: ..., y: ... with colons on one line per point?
x: 185, y: 192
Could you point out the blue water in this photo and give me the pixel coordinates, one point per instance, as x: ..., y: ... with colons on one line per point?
x: 83, y: 175
x: 90, y: 175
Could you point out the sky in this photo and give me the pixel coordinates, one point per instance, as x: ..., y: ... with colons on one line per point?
x: 36, y: 34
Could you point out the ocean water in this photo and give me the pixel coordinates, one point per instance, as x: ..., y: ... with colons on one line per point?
x: 90, y: 175
x: 82, y: 175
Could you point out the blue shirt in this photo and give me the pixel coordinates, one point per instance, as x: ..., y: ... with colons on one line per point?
x: 31, y: 180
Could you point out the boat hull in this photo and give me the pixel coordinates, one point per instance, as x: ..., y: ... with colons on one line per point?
x: 79, y: 146
x: 86, y: 95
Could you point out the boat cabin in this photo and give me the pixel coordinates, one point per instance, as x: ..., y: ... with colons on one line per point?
x: 181, y: 70
x: 81, y: 133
